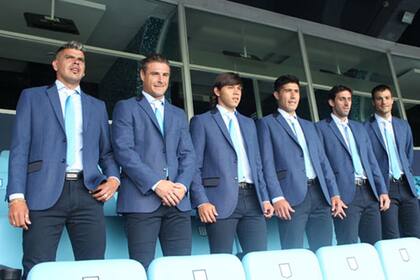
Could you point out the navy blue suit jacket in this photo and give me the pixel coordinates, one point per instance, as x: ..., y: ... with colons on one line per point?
x: 38, y: 151
x: 283, y: 162
x: 341, y: 161
x: 404, y: 141
x: 144, y: 154
x: 216, y: 177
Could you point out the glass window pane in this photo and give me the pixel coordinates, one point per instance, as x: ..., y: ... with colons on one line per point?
x: 408, y: 74
x: 413, y: 117
x: 361, y: 110
x: 6, y: 123
x: 242, y: 46
x: 24, y: 64
x: 333, y: 63
x: 137, y: 26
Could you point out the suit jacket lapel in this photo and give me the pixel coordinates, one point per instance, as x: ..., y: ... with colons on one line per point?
x: 144, y: 104
x: 85, y: 110
x: 337, y: 133
x: 285, y: 126
x: 219, y: 120
x: 374, y: 124
x: 56, y: 105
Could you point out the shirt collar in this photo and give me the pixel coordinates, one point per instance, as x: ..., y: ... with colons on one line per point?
x: 60, y: 86
x: 151, y: 99
x: 382, y: 119
x: 286, y: 115
x: 339, y: 121
x: 225, y: 112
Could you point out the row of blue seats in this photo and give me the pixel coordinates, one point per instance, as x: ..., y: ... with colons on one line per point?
x: 392, y: 260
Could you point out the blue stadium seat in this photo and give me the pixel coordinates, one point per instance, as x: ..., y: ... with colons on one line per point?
x: 4, y: 167
x: 348, y: 262
x: 88, y: 270
x: 200, y: 267
x: 110, y: 207
x: 116, y: 241
x: 200, y: 243
x: 293, y: 264
x: 400, y: 258
x: 10, y: 243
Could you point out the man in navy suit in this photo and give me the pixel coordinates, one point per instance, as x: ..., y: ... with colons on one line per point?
x: 299, y: 178
x: 153, y: 146
x: 393, y: 147
x: 357, y: 173
x: 229, y: 189
x: 60, y: 137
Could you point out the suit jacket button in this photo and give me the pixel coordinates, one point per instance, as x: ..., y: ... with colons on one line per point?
x: 63, y: 160
x: 64, y: 140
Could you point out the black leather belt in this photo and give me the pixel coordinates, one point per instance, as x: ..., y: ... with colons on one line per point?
x: 245, y: 185
x: 360, y: 182
x: 311, y: 182
x: 399, y: 180
x: 74, y: 176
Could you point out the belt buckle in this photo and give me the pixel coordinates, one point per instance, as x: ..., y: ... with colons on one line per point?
x: 243, y: 185
x: 359, y: 182
x: 73, y: 176
x: 393, y: 180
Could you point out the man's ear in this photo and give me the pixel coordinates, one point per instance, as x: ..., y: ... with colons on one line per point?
x: 54, y: 65
x: 216, y: 91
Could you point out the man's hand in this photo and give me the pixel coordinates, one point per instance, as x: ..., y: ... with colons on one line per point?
x: 106, y: 190
x: 166, y: 190
x: 384, y: 202
x: 283, y: 210
x: 207, y: 213
x: 180, y: 190
x: 268, y: 209
x: 19, y: 213
x: 337, y: 207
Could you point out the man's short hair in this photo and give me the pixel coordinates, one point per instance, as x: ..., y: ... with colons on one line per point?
x: 75, y: 45
x: 285, y: 79
x: 332, y: 93
x: 224, y: 79
x: 227, y: 79
x: 380, y: 88
x: 153, y: 57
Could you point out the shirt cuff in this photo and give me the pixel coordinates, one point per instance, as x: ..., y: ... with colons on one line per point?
x: 16, y: 195
x: 274, y: 200
x: 155, y: 185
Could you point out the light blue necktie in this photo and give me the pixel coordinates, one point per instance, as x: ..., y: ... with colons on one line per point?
x: 309, y: 170
x: 70, y: 127
x: 357, y: 163
x: 392, y: 153
x: 236, y: 142
x: 158, y: 115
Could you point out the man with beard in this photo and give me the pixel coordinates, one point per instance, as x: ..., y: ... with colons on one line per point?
x: 356, y: 170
